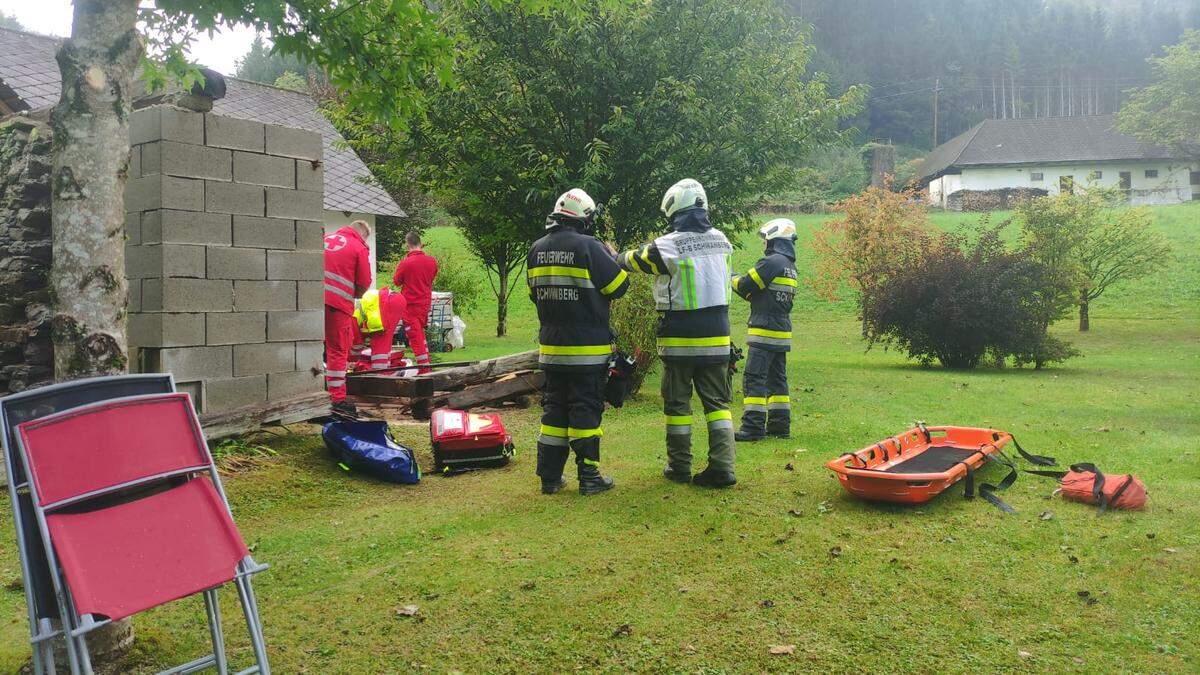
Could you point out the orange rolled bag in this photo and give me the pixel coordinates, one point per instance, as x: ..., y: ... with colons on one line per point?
x: 1085, y: 483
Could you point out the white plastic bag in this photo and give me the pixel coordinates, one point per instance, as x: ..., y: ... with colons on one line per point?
x: 458, y: 333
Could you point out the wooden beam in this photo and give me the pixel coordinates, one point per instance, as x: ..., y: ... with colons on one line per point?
x: 505, y: 389
x: 253, y: 417
x: 423, y: 386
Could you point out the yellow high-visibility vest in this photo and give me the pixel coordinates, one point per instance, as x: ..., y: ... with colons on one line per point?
x: 367, y: 313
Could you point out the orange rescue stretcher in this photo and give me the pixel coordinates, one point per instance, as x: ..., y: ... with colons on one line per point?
x: 921, y: 463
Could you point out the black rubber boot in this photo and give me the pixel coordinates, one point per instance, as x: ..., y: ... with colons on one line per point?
x: 779, y: 433
x: 550, y: 463
x: 743, y: 436
x: 590, y: 480
x: 677, y: 476
x: 714, y: 479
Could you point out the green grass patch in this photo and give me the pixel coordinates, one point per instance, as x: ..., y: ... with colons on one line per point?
x: 509, y: 580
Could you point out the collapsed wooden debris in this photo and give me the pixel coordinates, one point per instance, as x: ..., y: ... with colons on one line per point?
x: 253, y: 417
x: 506, y: 379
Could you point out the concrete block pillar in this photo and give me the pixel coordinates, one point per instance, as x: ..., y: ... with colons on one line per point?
x: 225, y: 255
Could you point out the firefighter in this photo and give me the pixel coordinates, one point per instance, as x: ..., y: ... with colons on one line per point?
x: 691, y: 293
x: 572, y: 279
x: 770, y: 287
x: 347, y: 277
x: 376, y: 316
x: 414, y: 277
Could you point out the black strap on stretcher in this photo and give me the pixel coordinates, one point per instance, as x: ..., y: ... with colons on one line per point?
x: 987, y: 490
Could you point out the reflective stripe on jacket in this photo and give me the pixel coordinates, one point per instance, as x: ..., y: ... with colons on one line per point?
x: 572, y: 279
x: 770, y: 286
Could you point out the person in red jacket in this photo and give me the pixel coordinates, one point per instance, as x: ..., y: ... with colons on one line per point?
x: 414, y: 277
x: 376, y: 319
x: 347, y: 277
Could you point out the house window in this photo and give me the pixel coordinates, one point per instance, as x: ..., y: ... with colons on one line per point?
x: 1035, y: 177
x: 1096, y: 175
x: 1195, y: 177
x: 1151, y: 173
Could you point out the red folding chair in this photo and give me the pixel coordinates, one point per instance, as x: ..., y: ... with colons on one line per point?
x: 133, y: 515
x: 29, y: 405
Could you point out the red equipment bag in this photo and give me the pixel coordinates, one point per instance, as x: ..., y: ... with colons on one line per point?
x: 463, y: 441
x: 1085, y: 483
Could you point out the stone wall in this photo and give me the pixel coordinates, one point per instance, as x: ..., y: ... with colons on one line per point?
x: 26, y: 353
x: 224, y: 256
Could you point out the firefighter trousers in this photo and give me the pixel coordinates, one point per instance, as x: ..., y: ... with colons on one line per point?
x: 766, y: 407
x: 711, y: 383
x: 572, y: 407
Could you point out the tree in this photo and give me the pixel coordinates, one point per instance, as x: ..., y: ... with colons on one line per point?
x: 10, y: 21
x: 623, y: 104
x: 1167, y: 112
x: 879, y: 233
x: 378, y: 50
x: 960, y: 302
x: 263, y: 64
x: 1090, y: 245
x: 293, y: 81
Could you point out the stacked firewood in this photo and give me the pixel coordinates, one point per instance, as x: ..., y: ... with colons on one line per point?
x: 512, y: 379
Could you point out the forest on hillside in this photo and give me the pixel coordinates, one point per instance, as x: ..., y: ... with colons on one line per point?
x: 987, y: 58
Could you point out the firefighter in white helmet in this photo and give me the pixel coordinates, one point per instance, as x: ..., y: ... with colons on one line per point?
x: 691, y: 293
x: 572, y: 279
x: 770, y: 287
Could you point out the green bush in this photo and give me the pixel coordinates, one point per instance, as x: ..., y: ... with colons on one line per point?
x: 959, y: 303
x: 456, y: 275
x: 636, y: 324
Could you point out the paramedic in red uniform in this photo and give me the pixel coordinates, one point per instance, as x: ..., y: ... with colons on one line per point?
x: 347, y: 277
x: 376, y: 317
x: 414, y: 277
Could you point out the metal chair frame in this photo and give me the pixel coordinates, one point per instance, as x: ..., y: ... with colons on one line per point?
x: 77, y: 626
x: 34, y: 570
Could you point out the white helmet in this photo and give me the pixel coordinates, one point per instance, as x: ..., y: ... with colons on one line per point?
x: 683, y: 195
x: 575, y: 204
x: 780, y: 228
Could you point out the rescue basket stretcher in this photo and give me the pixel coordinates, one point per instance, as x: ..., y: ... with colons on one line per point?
x: 915, y: 466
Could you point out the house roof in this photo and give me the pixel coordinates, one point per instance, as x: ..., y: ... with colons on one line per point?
x: 344, y: 170
x: 1044, y: 140
x: 28, y: 69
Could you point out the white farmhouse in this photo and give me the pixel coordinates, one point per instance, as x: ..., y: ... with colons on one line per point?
x: 1048, y: 155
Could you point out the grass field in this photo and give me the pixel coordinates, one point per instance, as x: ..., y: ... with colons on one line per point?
x: 656, y: 576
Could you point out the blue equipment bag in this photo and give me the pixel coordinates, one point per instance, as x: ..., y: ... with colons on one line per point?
x: 366, y: 447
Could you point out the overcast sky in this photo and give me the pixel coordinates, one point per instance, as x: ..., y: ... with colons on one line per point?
x: 53, y: 17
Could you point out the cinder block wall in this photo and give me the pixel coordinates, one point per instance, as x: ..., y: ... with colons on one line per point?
x: 224, y: 255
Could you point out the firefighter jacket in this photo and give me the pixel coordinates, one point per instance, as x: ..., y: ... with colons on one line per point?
x: 572, y: 279
x: 347, y: 269
x: 691, y: 287
x: 770, y: 286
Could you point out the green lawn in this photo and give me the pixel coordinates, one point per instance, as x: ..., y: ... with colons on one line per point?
x: 662, y: 577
